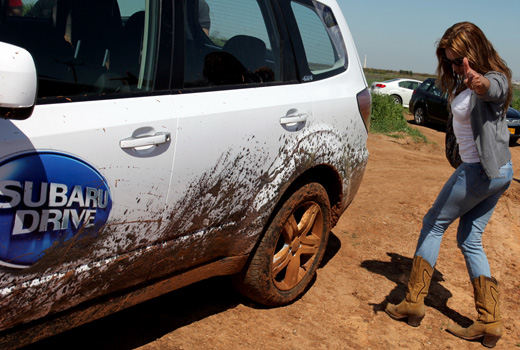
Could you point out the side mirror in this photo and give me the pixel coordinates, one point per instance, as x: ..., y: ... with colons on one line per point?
x: 18, y: 82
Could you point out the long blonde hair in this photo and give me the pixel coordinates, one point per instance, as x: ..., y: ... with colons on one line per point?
x: 467, y: 40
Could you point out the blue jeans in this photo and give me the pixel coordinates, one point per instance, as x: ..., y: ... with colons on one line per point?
x: 471, y: 196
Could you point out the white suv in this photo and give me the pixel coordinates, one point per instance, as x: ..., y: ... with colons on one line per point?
x: 149, y: 144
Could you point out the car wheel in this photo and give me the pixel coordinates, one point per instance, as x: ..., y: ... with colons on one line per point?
x: 291, y: 250
x: 419, y: 116
x: 397, y: 99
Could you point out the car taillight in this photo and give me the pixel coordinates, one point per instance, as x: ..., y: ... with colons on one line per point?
x: 364, y: 99
x: 380, y: 85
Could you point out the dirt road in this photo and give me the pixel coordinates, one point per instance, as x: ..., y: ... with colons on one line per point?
x: 367, y: 263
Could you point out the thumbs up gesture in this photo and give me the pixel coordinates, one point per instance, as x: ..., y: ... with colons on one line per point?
x: 473, y: 80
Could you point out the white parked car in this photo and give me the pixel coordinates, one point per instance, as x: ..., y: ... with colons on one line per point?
x: 149, y: 144
x: 400, y: 89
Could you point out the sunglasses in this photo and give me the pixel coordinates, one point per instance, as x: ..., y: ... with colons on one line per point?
x: 455, y: 62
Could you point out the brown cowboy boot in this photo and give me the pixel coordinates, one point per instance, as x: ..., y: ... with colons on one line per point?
x: 412, y: 307
x: 488, y: 324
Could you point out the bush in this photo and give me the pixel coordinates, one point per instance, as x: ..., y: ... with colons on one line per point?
x: 388, y: 118
x: 516, y: 104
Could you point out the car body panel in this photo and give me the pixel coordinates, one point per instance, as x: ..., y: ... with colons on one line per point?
x: 431, y: 100
x: 137, y: 177
x: 513, y: 124
x: 396, y: 87
x: 213, y: 197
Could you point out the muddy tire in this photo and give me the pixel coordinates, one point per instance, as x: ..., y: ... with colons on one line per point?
x: 291, y: 250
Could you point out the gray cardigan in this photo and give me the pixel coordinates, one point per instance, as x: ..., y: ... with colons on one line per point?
x: 490, y: 126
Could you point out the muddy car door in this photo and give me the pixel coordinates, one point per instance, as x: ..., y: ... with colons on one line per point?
x: 246, y: 130
x: 84, y: 180
x: 240, y: 115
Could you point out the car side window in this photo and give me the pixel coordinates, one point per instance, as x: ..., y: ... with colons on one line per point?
x: 435, y: 91
x: 425, y: 86
x: 321, y: 37
x: 230, y: 42
x: 408, y: 84
x: 87, y: 47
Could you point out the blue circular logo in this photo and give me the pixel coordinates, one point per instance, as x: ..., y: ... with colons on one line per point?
x: 45, y: 198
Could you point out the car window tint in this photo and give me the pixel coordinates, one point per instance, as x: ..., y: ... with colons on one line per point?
x: 322, y: 39
x: 435, y: 91
x: 425, y: 86
x: 407, y: 84
x: 230, y: 42
x: 38, y: 8
x: 88, y: 47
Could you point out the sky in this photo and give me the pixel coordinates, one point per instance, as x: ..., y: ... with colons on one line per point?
x: 402, y: 34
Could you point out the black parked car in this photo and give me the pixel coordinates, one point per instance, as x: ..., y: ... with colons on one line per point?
x: 513, y: 123
x: 430, y: 104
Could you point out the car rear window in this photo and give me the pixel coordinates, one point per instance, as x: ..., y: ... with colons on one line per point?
x: 322, y: 39
x: 426, y: 85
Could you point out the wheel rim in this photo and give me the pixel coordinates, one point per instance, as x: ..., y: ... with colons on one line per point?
x: 419, y: 116
x: 297, y: 246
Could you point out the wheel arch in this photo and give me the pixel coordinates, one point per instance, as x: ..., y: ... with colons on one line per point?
x: 422, y: 104
x: 330, y: 179
x: 244, y: 281
x: 397, y: 96
x: 326, y: 176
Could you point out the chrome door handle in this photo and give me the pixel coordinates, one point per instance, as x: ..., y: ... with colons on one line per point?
x: 143, y: 141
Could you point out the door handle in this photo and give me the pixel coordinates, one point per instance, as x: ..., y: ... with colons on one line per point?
x: 143, y: 141
x: 293, y: 118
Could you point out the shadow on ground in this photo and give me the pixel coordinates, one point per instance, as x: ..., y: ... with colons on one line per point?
x: 146, y: 322
x: 435, y: 126
x: 397, y: 271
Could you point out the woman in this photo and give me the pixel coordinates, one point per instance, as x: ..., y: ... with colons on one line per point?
x: 478, y: 83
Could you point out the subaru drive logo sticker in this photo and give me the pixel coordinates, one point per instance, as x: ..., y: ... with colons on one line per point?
x: 47, y: 198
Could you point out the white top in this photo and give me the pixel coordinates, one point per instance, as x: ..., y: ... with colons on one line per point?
x: 462, y: 127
